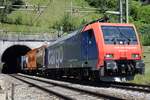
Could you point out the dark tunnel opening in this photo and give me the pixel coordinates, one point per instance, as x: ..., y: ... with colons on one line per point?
x: 11, y: 58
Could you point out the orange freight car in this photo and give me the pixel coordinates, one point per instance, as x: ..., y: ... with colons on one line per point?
x: 34, y: 59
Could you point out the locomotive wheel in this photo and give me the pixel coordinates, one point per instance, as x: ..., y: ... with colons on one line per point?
x: 83, y: 74
x: 96, y: 75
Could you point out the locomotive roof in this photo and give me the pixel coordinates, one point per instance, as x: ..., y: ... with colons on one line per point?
x: 65, y: 37
x: 60, y: 40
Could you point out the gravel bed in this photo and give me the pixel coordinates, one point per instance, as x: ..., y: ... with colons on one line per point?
x: 21, y: 91
x: 66, y: 92
x: 122, y: 93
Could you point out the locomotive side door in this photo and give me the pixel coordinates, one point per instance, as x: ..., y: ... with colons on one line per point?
x: 84, y: 46
x: 88, y: 46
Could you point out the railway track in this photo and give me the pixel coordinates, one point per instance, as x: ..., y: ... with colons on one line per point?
x: 74, y: 92
x: 118, y: 85
x: 129, y: 86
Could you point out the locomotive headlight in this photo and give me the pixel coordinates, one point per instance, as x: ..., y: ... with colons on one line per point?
x: 109, y: 56
x: 135, y: 55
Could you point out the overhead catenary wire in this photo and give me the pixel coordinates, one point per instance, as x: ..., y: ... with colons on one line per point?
x: 41, y: 12
x: 34, y: 19
x: 39, y: 15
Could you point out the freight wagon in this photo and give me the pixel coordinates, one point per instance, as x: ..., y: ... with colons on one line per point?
x: 34, y: 60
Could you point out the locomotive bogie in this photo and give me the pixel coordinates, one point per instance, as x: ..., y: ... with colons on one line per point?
x: 124, y: 68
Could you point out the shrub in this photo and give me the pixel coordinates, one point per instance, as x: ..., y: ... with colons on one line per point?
x: 146, y: 39
x: 143, y: 14
x: 103, y: 4
x: 66, y: 23
x: 18, y: 20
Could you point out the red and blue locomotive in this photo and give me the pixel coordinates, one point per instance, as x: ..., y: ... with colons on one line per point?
x: 99, y: 50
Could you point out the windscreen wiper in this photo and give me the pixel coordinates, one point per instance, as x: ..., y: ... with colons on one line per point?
x: 114, y: 40
x: 124, y: 36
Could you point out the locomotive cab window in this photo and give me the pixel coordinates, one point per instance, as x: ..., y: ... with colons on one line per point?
x: 115, y: 34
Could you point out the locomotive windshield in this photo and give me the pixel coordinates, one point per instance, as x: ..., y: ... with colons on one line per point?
x: 119, y: 35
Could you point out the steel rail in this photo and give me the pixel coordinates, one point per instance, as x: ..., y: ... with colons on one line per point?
x: 94, y: 93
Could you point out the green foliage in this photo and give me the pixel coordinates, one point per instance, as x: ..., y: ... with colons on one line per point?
x: 134, y: 8
x: 145, y: 29
x: 17, y: 2
x: 18, y: 20
x: 103, y: 4
x: 140, y: 12
x: 52, y: 14
x: 7, y: 8
x: 144, y: 79
x: 146, y: 39
x: 144, y: 14
x: 66, y: 23
x: 140, y: 17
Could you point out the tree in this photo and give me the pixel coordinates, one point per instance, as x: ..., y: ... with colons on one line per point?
x: 66, y: 23
x: 8, y: 5
x: 143, y: 14
x: 134, y: 8
x: 4, y: 11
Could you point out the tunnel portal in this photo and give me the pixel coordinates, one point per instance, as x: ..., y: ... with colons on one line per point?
x: 11, y: 58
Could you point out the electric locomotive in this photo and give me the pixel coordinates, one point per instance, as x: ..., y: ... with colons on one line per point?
x: 97, y: 51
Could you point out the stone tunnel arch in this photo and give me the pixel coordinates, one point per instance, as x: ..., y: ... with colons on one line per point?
x: 11, y: 58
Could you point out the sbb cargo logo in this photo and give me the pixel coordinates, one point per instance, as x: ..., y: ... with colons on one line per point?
x: 55, y: 56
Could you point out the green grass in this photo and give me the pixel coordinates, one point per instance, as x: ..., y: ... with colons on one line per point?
x: 30, y: 22
x: 144, y: 79
x: 26, y: 29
